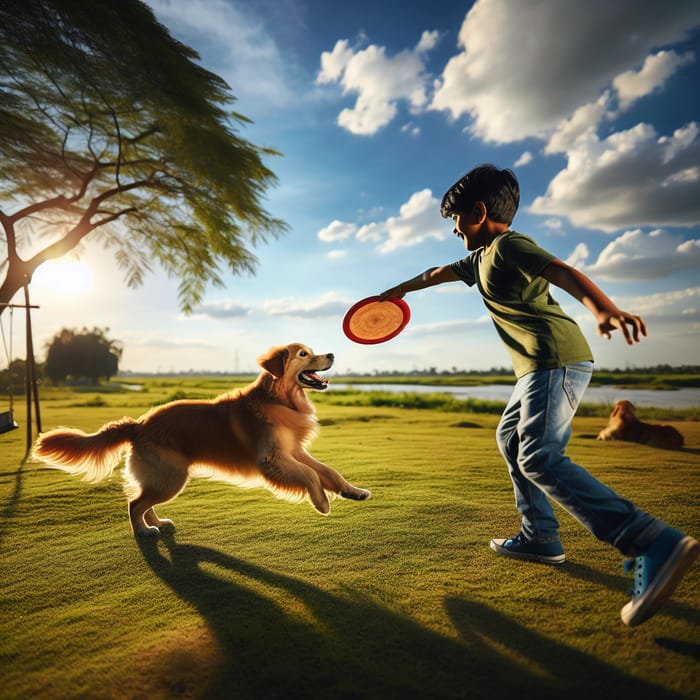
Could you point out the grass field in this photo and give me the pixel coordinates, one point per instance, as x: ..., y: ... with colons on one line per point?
x: 396, y: 597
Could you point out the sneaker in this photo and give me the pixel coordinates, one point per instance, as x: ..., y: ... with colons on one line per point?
x: 657, y: 572
x: 519, y: 547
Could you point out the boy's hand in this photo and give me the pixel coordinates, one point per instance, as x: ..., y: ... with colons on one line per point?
x: 393, y: 293
x: 610, y: 321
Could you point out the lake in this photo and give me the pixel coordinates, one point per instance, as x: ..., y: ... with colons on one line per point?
x: 606, y: 395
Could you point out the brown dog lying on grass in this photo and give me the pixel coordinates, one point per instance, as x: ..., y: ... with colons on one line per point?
x: 256, y: 436
x: 624, y: 425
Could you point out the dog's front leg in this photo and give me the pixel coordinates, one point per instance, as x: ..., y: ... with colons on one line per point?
x: 332, y: 480
x: 286, y: 474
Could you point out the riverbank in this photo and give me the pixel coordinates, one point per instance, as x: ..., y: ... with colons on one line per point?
x: 606, y: 395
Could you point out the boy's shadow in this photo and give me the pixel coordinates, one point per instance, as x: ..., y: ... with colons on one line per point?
x: 621, y: 584
x: 559, y: 671
x: 279, y: 636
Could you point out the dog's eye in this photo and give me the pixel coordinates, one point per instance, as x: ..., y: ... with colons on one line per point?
x: 303, y: 353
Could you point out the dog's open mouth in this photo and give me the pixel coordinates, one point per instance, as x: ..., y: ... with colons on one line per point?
x: 314, y: 381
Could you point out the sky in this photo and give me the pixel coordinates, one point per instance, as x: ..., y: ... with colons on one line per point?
x: 377, y: 109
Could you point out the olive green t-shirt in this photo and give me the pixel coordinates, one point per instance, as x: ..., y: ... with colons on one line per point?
x: 535, y: 329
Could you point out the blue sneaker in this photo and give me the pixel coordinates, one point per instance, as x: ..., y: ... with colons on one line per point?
x: 519, y: 547
x: 657, y: 572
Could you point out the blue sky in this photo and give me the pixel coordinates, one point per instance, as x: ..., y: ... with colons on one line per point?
x: 377, y: 108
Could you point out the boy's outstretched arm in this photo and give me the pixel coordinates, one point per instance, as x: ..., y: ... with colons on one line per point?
x: 607, y: 315
x: 429, y: 278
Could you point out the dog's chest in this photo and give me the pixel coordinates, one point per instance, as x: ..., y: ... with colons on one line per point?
x: 293, y: 429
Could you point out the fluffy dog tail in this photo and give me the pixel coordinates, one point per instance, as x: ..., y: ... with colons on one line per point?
x: 93, y: 455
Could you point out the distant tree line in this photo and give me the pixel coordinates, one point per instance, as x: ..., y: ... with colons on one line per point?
x: 663, y: 369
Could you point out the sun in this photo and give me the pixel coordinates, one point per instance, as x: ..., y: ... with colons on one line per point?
x: 67, y: 277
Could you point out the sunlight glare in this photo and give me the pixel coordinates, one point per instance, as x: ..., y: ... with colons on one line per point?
x: 69, y: 277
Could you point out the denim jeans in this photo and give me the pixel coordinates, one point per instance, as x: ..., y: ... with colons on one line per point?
x: 532, y: 436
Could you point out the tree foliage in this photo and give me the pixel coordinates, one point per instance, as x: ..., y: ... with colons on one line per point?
x: 87, y: 354
x: 110, y: 125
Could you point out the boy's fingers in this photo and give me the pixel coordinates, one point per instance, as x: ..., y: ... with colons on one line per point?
x: 621, y: 323
x: 638, y: 326
x: 642, y: 325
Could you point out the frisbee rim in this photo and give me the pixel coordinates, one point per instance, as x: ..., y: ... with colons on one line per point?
x: 397, y: 301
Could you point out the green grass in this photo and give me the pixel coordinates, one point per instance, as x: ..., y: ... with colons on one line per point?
x: 397, y: 597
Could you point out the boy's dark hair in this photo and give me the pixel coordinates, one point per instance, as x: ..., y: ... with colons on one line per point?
x: 497, y: 189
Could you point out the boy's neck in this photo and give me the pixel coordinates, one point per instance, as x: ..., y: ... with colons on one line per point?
x: 492, y: 230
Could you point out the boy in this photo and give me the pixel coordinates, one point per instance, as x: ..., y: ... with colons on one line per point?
x: 553, y: 365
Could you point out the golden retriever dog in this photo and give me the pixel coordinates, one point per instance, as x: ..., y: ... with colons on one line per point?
x: 624, y: 425
x: 255, y: 436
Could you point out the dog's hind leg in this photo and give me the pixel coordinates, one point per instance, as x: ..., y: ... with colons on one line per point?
x: 137, y: 514
x: 152, y: 518
x: 151, y: 481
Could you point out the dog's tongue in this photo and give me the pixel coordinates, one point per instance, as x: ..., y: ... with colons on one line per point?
x: 315, y: 377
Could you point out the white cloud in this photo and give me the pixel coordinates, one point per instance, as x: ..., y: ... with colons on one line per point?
x: 631, y: 85
x: 637, y: 255
x: 525, y: 158
x: 677, y: 300
x: 579, y: 256
x: 221, y: 308
x: 428, y: 41
x: 327, y: 305
x: 418, y: 220
x: 410, y: 128
x: 380, y: 81
x: 374, y: 231
x: 334, y: 63
x: 631, y: 178
x: 243, y: 51
x: 584, y: 121
x: 520, y: 89
x: 336, y: 231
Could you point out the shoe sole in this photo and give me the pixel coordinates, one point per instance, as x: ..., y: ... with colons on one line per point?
x: 663, y: 584
x: 539, y: 558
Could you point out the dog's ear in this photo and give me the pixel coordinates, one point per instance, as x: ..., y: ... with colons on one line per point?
x: 274, y: 361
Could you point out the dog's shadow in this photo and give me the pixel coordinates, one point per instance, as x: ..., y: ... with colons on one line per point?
x: 279, y: 636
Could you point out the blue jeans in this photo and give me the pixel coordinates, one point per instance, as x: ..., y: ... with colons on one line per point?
x: 532, y: 436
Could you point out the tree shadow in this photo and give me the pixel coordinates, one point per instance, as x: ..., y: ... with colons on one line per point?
x: 10, y: 508
x: 280, y: 637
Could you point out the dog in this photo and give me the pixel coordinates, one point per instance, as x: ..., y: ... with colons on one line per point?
x: 624, y: 425
x: 255, y: 436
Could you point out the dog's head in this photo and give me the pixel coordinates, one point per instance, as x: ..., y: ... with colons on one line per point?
x: 624, y: 411
x: 297, y: 363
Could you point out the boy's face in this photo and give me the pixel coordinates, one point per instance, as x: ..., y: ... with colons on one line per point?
x: 469, y: 226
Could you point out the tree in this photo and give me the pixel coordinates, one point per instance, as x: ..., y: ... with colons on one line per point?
x: 82, y: 355
x: 110, y: 127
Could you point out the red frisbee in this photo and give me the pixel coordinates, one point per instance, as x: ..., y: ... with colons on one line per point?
x: 373, y: 321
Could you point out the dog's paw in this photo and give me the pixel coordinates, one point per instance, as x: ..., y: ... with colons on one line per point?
x: 357, y: 494
x: 165, y: 524
x: 148, y: 531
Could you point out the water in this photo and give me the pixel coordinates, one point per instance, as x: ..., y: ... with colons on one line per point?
x: 606, y: 395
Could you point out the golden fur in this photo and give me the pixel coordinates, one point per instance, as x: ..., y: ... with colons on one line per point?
x: 256, y: 436
x: 624, y: 425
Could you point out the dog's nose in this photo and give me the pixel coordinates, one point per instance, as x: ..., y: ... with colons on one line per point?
x: 330, y: 356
